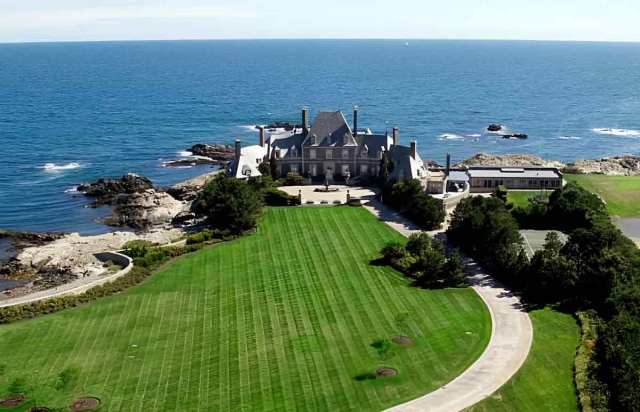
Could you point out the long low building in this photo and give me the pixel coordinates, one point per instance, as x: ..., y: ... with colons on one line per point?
x: 487, y: 178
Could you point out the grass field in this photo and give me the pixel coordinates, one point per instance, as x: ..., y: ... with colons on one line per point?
x: 545, y: 381
x: 281, y: 320
x: 521, y: 197
x: 622, y: 193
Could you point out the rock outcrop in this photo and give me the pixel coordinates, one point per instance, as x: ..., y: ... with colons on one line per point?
x: 516, y: 136
x: 189, y: 189
x: 484, y: 159
x: 614, y: 166
x: 218, y: 152
x: 494, y: 128
x: 128, y: 184
x: 137, y: 203
x: 144, y: 210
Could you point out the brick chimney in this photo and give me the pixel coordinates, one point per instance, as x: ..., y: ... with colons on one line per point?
x: 238, y: 150
x: 261, y: 136
x: 355, y: 120
x: 414, y: 149
x: 396, y: 136
x: 305, y: 119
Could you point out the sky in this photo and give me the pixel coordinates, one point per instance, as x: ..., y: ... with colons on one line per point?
x: 91, y: 20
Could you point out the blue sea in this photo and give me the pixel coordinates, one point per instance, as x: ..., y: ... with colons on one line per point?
x: 74, y: 112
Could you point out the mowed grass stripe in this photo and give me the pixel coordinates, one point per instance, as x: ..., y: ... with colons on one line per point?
x: 280, y: 320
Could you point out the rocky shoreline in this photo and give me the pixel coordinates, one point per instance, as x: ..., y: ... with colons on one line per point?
x: 626, y: 165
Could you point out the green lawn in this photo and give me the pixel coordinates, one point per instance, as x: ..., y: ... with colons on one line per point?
x: 281, y: 320
x: 521, y: 197
x: 545, y: 382
x: 622, y: 193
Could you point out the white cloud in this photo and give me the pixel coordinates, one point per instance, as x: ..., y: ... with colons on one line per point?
x: 72, y: 17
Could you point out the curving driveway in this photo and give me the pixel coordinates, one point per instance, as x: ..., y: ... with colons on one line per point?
x: 511, y: 337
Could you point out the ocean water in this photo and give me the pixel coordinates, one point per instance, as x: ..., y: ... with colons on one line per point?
x: 74, y: 112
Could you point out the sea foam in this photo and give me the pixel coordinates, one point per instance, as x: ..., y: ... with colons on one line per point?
x: 618, y: 132
x: 450, y: 136
x: 570, y: 137
x: 52, y: 167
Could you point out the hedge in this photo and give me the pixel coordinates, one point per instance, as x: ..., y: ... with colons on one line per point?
x: 593, y: 394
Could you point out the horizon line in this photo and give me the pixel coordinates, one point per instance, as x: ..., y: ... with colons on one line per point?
x: 405, y: 39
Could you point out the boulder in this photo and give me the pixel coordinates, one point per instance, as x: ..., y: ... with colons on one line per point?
x: 183, y: 218
x: 144, y: 210
x: 515, y: 135
x: 190, y: 162
x: 494, y: 128
x: 189, y: 189
x: 127, y: 184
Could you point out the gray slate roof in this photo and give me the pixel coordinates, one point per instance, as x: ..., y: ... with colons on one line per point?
x: 330, y: 124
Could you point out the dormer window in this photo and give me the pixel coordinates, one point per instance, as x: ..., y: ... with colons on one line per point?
x: 329, y: 139
x: 313, y: 139
x: 345, y: 139
x: 294, y: 151
x: 365, y: 151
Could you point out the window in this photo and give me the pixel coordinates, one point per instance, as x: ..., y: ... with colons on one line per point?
x: 313, y: 139
x: 345, y: 169
x: 345, y: 139
x: 312, y: 154
x: 329, y: 139
x: 294, y: 168
x: 379, y: 154
x: 314, y: 170
x: 364, y: 169
x: 329, y: 154
x: 364, y: 152
x: 294, y: 151
x: 345, y: 153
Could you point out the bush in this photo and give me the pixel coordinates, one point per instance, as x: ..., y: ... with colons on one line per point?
x: 293, y: 179
x: 275, y: 197
x: 207, y: 236
x: 501, y: 193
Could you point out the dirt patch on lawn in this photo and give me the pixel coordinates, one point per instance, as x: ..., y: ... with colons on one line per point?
x: 386, y: 372
x: 85, y: 404
x: 13, y: 401
x: 402, y: 340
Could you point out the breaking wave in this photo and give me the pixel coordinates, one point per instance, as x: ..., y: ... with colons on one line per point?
x: 570, y: 137
x: 52, y: 167
x: 618, y: 132
x: 475, y: 135
x: 450, y: 136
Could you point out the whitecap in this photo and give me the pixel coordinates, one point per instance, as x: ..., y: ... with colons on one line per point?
x: 450, y: 136
x: 52, y: 167
x: 184, y: 153
x: 474, y: 135
x: 252, y: 128
x: 73, y: 189
x: 570, y: 137
x: 617, y: 132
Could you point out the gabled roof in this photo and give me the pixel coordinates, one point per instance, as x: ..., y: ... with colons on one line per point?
x: 285, y: 142
x: 406, y: 166
x: 330, y: 124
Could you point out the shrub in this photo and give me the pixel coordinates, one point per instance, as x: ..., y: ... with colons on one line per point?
x: 207, y: 236
x: 138, y: 244
x: 275, y: 197
x: 411, y: 199
x: 293, y: 179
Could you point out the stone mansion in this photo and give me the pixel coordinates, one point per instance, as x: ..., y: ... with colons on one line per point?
x: 329, y: 146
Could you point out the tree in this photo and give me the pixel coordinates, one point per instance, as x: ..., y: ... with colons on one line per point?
x: 231, y: 204
x: 410, y: 198
x: 573, y: 207
x: 453, y: 272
